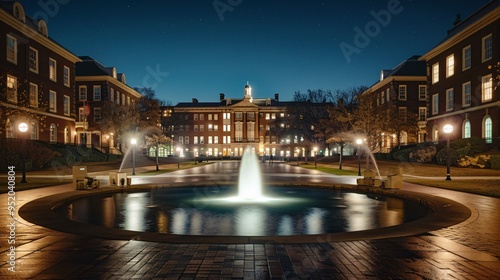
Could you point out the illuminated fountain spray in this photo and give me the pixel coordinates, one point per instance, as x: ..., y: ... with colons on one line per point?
x: 250, y: 179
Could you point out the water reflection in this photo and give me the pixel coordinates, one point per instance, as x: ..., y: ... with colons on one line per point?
x: 308, y: 211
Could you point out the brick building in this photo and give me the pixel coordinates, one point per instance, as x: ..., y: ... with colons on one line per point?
x: 462, y: 89
x: 226, y: 127
x: 36, y: 79
x: 404, y: 87
x: 100, y: 92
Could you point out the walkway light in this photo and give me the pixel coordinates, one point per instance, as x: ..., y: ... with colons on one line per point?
x: 448, y: 129
x: 315, y: 157
x: 23, y: 127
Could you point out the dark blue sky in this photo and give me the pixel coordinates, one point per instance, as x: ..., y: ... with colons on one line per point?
x: 188, y: 48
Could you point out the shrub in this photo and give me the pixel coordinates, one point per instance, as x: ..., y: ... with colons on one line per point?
x: 423, y: 153
x: 481, y: 161
x: 495, y: 162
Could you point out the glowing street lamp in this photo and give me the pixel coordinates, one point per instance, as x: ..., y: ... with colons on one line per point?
x: 448, y: 129
x: 359, y: 142
x: 23, y: 127
x: 134, y: 144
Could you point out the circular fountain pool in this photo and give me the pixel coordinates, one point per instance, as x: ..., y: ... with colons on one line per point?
x: 212, y: 211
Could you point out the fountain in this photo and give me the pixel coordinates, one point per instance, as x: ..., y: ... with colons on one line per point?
x: 249, y: 181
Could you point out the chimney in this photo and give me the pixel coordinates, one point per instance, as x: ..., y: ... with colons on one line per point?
x: 195, y: 100
x: 221, y: 95
x: 277, y: 97
x: 458, y: 19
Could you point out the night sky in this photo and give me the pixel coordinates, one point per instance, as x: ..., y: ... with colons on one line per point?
x: 187, y: 48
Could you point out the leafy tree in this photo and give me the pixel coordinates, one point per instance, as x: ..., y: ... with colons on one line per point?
x: 120, y: 120
x: 154, y: 138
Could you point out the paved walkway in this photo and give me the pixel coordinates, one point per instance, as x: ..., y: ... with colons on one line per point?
x: 469, y: 250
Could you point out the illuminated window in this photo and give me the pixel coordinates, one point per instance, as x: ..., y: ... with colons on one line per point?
x: 450, y: 65
x: 11, y: 89
x: 467, y: 129
x: 52, y: 69
x: 435, y: 73
x: 486, y: 88
x: 487, y: 129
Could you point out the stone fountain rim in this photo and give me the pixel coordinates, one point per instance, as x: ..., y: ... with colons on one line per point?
x: 446, y: 213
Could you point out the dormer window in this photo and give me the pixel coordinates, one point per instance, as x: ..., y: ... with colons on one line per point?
x: 42, y: 28
x: 18, y: 12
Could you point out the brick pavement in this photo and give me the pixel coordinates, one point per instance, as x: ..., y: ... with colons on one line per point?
x: 469, y: 250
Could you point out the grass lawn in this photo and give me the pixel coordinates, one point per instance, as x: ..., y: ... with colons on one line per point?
x: 486, y: 187
x: 330, y: 169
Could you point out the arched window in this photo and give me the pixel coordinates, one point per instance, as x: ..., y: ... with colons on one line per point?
x: 66, y: 135
x: 435, y: 134
x: 487, y: 129
x: 53, y: 133
x: 466, y: 129
x: 9, y: 129
x: 403, y: 138
x: 42, y: 28
x: 18, y: 12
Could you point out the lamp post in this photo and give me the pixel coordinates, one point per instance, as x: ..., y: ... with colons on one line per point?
x: 359, y: 141
x: 134, y: 143
x: 448, y: 129
x: 23, y: 127
x: 315, y: 157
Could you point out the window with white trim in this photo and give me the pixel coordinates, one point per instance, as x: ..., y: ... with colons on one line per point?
x: 450, y: 65
x: 466, y: 94
x: 11, y: 49
x: 97, y: 93
x: 53, y: 133
x: 435, y: 73
x: 486, y: 88
x: 422, y: 92
x: 422, y: 113
x: 466, y: 129
x: 33, y: 60
x: 435, y: 104
x: 488, y: 129
x: 52, y: 69
x: 52, y: 101
x: 66, y: 76
x: 402, y: 92
x: 186, y: 140
x: 82, y: 90
x: 11, y: 89
x: 67, y: 105
x: 466, y: 58
x: 195, y: 140
x: 487, y: 47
